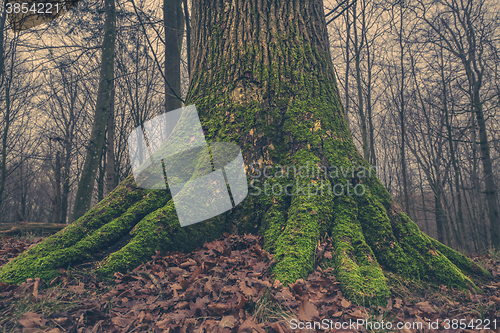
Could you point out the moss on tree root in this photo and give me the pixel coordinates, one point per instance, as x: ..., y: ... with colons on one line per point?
x: 273, y: 92
x: 44, y: 258
x: 360, y: 276
x: 364, y: 236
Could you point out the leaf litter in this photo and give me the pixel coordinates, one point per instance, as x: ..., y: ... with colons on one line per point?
x: 225, y: 286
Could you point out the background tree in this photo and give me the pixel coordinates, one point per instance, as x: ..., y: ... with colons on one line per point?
x: 93, y: 156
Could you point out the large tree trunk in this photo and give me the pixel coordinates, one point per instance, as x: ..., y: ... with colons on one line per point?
x: 262, y: 78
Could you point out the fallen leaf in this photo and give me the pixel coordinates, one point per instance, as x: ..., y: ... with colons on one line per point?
x: 307, y: 311
x: 30, y: 320
x: 425, y: 307
x: 250, y: 326
x: 228, y: 321
x: 345, y: 303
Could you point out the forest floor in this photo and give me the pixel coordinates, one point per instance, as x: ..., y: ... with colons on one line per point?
x: 225, y: 286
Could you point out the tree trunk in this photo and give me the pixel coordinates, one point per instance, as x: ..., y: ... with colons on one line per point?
x: 93, y: 156
x: 263, y: 78
x: 358, y: 46
x: 173, y: 19
x: 5, y: 81
x: 56, y: 214
x: 347, y: 61
x: 489, y: 178
x: 402, y: 115
x: 110, y: 145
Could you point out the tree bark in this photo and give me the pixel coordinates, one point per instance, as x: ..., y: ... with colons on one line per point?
x: 56, y: 214
x: 347, y: 61
x: 263, y: 79
x: 93, y: 156
x: 402, y: 115
x: 5, y: 81
x: 110, y: 145
x: 358, y: 47
x: 173, y: 19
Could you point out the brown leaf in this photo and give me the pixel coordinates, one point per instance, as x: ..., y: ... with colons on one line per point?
x: 250, y: 326
x: 228, y: 321
x: 356, y: 314
x: 190, y: 262
x: 216, y: 246
x: 184, y: 283
x: 61, y: 320
x: 54, y: 330
x: 241, y: 302
x: 277, y: 284
x: 182, y: 305
x: 297, y: 288
x: 218, y: 308
x: 337, y: 314
x: 345, y: 303
x: 425, y: 307
x: 122, y: 321
x: 307, y: 311
x: 30, y: 320
x: 248, y: 291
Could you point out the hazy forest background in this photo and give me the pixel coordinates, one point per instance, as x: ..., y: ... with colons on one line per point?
x: 412, y: 76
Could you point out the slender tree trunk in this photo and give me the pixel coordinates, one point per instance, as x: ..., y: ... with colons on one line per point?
x: 66, y: 177
x: 489, y: 178
x: 93, y: 156
x: 358, y: 46
x: 402, y: 120
x: 173, y: 19
x: 458, y: 208
x: 101, y: 174
x: 480, y: 206
x: 347, y: 62
x: 373, y: 157
x: 110, y: 145
x: 442, y: 233
x: 6, y: 121
x: 424, y: 207
x: 187, y: 21
x: 56, y: 215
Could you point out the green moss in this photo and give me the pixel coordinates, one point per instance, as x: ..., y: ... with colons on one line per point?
x: 161, y: 231
x: 44, y: 258
x: 360, y: 276
x: 379, y: 235
x: 433, y: 265
x: 462, y: 262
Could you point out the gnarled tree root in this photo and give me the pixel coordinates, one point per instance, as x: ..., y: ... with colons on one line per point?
x: 367, y: 235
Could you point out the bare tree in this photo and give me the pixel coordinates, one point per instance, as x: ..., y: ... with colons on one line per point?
x: 466, y: 32
x: 93, y: 156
